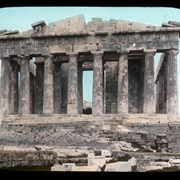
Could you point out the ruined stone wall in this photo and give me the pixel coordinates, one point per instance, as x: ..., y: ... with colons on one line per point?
x: 103, y: 133
x: 12, y: 159
x: 136, y: 82
x: 160, y: 137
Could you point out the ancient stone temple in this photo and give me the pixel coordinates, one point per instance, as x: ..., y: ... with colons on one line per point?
x: 42, y: 68
x: 42, y: 84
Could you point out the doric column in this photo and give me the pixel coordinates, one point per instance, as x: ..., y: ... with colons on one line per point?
x: 14, y: 104
x: 72, y: 106
x: 32, y: 86
x: 32, y: 89
x: 172, y: 89
x: 48, y: 94
x: 39, y: 85
x: 64, y: 87
x: 106, y: 85
x: 149, y: 85
x: 157, y: 96
x: 80, y: 88
x: 122, y: 104
x: 25, y: 86
x: 57, y: 87
x: 98, y: 95
x: 110, y: 87
x: 5, y: 86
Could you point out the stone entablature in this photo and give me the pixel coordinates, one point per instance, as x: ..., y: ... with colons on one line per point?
x: 160, y: 41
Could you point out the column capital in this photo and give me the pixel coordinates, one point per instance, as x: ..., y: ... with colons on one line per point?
x: 38, y: 63
x: 22, y: 57
x: 50, y: 56
x: 39, y: 60
x: 72, y: 54
x: 123, y: 51
x: 173, y: 51
x: 150, y: 52
x: 97, y: 53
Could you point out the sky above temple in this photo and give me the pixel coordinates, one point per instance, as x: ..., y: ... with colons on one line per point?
x: 21, y: 18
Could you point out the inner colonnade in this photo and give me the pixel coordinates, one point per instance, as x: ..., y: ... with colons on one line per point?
x: 123, y: 82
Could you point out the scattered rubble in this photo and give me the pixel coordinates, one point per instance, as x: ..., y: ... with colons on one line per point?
x: 122, y: 146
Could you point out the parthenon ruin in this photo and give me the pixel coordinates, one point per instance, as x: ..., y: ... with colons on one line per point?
x: 42, y: 68
x: 134, y: 105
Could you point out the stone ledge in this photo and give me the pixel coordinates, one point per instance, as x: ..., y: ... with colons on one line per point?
x: 59, y: 118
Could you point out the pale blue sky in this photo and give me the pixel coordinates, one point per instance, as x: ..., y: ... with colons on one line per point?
x: 21, y: 18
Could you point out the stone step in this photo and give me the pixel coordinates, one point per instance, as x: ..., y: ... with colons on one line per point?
x: 104, y: 116
x: 109, y: 119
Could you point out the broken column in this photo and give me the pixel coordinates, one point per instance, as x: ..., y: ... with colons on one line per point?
x: 172, y: 89
x: 48, y: 94
x: 122, y: 104
x: 72, y: 106
x: 25, y: 85
x: 14, y: 95
x: 97, y: 104
x: 39, y: 85
x: 149, y: 85
x: 5, y: 86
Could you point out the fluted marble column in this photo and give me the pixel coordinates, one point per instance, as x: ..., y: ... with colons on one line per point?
x: 14, y: 104
x: 80, y: 88
x: 25, y: 86
x: 72, y: 105
x: 48, y: 94
x: 172, y: 88
x: 57, y: 87
x: 122, y: 104
x: 32, y: 94
x: 5, y: 86
x: 98, y: 95
x: 111, y: 87
x: 149, y: 85
x: 39, y: 85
